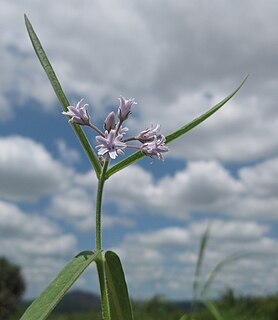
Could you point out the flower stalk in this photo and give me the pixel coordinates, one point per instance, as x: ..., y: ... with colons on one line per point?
x: 100, y: 258
x: 98, y: 204
x: 103, y: 287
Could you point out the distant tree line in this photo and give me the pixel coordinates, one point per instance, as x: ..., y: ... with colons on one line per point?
x: 12, y: 286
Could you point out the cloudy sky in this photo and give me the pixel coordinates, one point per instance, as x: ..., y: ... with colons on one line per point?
x: 177, y: 59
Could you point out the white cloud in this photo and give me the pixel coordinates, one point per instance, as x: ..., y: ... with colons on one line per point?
x: 110, y: 221
x: 35, y: 243
x: 28, y: 171
x: 201, y: 187
x: 204, y: 186
x: 76, y: 205
x: 254, y: 207
x: 260, y: 179
x: 240, y: 132
x: 67, y: 155
x: 174, y: 70
x: 13, y: 222
x: 129, y: 187
x: 168, y: 258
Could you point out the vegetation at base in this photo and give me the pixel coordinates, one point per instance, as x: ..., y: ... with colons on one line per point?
x: 242, y: 308
x: 229, y: 306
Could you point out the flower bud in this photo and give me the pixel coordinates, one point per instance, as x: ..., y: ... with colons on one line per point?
x: 109, y: 122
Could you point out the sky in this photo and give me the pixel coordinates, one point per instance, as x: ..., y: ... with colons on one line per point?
x: 177, y: 59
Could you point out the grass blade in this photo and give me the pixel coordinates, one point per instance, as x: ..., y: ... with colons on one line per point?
x: 50, y: 297
x: 173, y: 136
x: 60, y: 94
x: 198, y: 270
x: 218, y: 268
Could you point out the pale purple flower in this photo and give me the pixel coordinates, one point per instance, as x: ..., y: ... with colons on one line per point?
x: 124, y: 108
x: 111, y: 144
x: 109, y: 122
x: 78, y: 114
x: 149, y: 134
x: 155, y: 148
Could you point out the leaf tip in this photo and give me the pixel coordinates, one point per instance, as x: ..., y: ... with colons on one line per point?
x: 27, y: 21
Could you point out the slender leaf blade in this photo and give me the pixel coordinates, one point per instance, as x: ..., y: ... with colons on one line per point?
x: 46, y: 65
x: 198, y: 270
x: 119, y: 302
x: 218, y: 268
x: 173, y: 136
x: 50, y: 297
x: 60, y: 93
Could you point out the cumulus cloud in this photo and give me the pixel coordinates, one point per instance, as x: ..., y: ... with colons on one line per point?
x: 76, y: 205
x: 15, y: 223
x: 35, y: 243
x: 260, y: 179
x: 175, y: 70
x: 168, y: 258
x: 67, y: 155
x: 28, y: 171
x: 205, y: 187
x: 202, y: 186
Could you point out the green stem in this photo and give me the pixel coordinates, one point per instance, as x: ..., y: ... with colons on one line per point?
x: 103, y: 288
x: 98, y: 204
x: 99, y: 261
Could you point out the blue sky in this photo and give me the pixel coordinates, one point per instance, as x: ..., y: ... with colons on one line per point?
x: 176, y: 59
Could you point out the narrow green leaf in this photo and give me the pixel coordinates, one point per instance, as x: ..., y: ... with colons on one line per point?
x: 184, y: 317
x: 198, y: 270
x: 60, y: 94
x: 173, y: 136
x: 218, y: 268
x: 50, y: 297
x: 119, y: 303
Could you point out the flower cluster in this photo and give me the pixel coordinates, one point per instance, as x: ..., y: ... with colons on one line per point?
x: 112, y: 141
